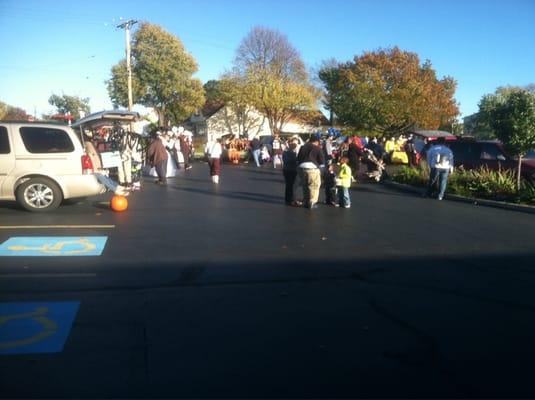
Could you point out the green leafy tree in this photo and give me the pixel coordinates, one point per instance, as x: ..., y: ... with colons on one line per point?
x: 234, y: 96
x: 239, y: 114
x: 389, y: 91
x: 275, y: 75
x: 511, y: 115
x: 3, y: 109
x: 118, y: 85
x: 213, y: 96
x: 162, y: 71
x: 8, y: 112
x: 477, y: 125
x: 70, y: 104
x: 328, y: 74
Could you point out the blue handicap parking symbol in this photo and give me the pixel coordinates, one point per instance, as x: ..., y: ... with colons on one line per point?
x: 27, y: 328
x: 53, y: 246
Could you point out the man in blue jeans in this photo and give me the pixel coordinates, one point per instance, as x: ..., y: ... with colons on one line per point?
x: 440, y: 160
x: 256, y: 146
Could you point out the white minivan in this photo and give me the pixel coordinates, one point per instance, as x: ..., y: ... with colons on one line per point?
x: 42, y: 164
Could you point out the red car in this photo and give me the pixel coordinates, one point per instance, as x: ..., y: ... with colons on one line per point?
x: 472, y: 154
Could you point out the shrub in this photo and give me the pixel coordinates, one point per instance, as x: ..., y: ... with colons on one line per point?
x: 411, y: 176
x: 484, y: 183
x: 481, y: 183
x: 527, y: 193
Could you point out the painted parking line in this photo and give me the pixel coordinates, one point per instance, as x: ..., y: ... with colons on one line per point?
x: 66, y: 246
x: 45, y: 276
x: 27, y: 328
x: 57, y: 226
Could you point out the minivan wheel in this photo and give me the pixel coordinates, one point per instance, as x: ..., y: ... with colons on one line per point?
x: 39, y: 195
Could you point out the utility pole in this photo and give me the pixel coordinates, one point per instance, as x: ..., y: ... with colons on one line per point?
x: 126, y: 26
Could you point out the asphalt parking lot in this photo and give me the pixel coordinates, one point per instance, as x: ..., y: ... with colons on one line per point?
x: 203, y: 291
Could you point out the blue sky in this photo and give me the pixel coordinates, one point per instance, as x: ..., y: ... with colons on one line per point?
x: 69, y: 46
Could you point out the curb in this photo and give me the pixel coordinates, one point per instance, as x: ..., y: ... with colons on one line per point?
x: 471, y: 200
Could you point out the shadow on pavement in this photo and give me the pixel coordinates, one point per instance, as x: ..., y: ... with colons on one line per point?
x: 250, y: 196
x: 385, y: 327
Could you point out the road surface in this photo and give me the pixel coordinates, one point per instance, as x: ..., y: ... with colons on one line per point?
x: 203, y: 291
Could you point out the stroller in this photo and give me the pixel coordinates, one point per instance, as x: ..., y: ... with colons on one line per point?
x: 376, y: 166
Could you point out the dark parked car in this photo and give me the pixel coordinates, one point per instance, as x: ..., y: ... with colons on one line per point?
x: 530, y: 155
x: 472, y: 154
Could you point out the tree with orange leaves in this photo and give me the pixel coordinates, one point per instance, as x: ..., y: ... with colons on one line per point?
x: 389, y: 91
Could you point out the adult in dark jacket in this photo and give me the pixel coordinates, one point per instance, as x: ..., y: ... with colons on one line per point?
x: 354, y: 152
x: 157, y: 156
x: 185, y: 150
x: 410, y: 150
x: 289, y: 170
x: 310, y: 159
x: 255, y: 147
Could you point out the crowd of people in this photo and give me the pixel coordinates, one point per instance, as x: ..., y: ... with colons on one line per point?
x: 339, y: 166
x: 315, y: 161
x: 170, y: 149
x: 268, y: 151
x: 331, y: 161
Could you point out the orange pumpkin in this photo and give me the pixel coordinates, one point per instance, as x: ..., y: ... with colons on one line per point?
x: 118, y: 203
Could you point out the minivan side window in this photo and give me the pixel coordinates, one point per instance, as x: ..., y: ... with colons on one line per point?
x: 464, y: 151
x: 490, y: 152
x: 46, y: 140
x: 4, y: 141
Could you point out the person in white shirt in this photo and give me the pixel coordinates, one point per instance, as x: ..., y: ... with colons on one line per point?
x: 440, y: 160
x: 277, y: 151
x: 213, y: 150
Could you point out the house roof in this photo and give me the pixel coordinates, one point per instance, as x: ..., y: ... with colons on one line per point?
x: 432, y: 133
x: 210, y: 109
x: 310, y: 117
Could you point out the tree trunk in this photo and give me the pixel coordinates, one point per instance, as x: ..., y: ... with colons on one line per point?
x: 161, y: 115
x: 228, y: 122
x: 272, y: 124
x: 261, y: 125
x: 519, y: 171
x: 331, y: 113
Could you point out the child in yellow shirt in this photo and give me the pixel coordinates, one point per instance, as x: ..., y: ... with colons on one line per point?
x: 343, y: 182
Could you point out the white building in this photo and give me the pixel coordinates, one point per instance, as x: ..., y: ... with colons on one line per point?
x: 221, y: 121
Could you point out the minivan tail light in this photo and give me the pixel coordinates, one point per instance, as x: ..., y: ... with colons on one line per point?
x: 87, y: 165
